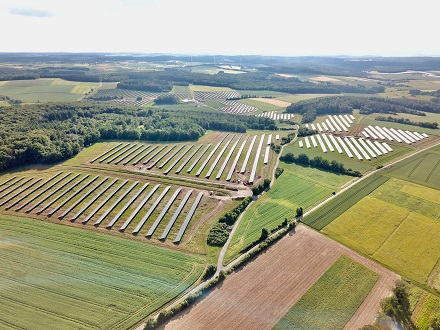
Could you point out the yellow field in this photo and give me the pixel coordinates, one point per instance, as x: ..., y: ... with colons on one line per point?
x: 58, y: 81
x: 370, y: 229
x: 3, y: 82
x: 398, y: 225
x: 81, y: 89
x: 413, y: 248
x: 276, y: 102
x: 432, y: 195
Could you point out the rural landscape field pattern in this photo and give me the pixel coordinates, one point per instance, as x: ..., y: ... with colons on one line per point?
x: 116, y: 233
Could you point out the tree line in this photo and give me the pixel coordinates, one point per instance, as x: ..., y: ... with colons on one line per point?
x: 432, y: 125
x: 49, y: 133
x: 319, y: 162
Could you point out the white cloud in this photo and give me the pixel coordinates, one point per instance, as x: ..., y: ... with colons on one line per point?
x: 26, y: 11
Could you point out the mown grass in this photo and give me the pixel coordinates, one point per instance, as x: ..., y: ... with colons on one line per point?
x: 333, y: 299
x: 55, y: 276
x: 395, y: 226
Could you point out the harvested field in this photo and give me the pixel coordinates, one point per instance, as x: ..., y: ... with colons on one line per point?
x: 257, y: 296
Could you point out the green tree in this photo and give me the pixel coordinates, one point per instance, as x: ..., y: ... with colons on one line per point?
x: 264, y: 234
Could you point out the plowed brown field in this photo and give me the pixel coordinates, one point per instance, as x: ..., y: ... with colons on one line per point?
x: 257, y: 296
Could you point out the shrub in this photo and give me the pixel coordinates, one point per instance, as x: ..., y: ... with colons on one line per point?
x: 218, y: 235
x: 209, y: 272
x: 278, y: 172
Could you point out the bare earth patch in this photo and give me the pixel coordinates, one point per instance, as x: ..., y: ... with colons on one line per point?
x: 258, y: 296
x: 276, y: 102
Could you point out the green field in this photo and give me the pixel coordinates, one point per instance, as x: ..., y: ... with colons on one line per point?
x: 200, y: 88
x: 180, y: 90
x: 46, y: 90
x: 369, y: 120
x: 362, y: 166
x: 296, y: 187
x: 333, y: 299
x: 396, y: 226
x: 423, y: 168
x: 261, y: 106
x: 59, y: 277
x: 342, y: 202
x: 259, y: 93
x: 293, y: 98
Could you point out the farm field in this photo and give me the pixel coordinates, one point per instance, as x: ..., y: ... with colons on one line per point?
x: 296, y: 187
x: 285, y: 273
x: 399, y: 224
x: 112, y: 282
x: 423, y: 168
x: 423, y: 306
x: 428, y: 117
x: 46, y: 90
x: 201, y: 88
x: 293, y: 98
x: 333, y: 299
x: 342, y: 202
x: 261, y: 93
x: 262, y: 106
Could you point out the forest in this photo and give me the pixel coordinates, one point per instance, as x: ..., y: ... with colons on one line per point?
x: 49, y: 133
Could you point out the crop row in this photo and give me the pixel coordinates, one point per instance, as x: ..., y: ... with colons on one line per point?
x: 116, y: 265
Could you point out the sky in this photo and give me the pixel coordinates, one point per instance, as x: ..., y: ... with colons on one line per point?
x: 229, y: 27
